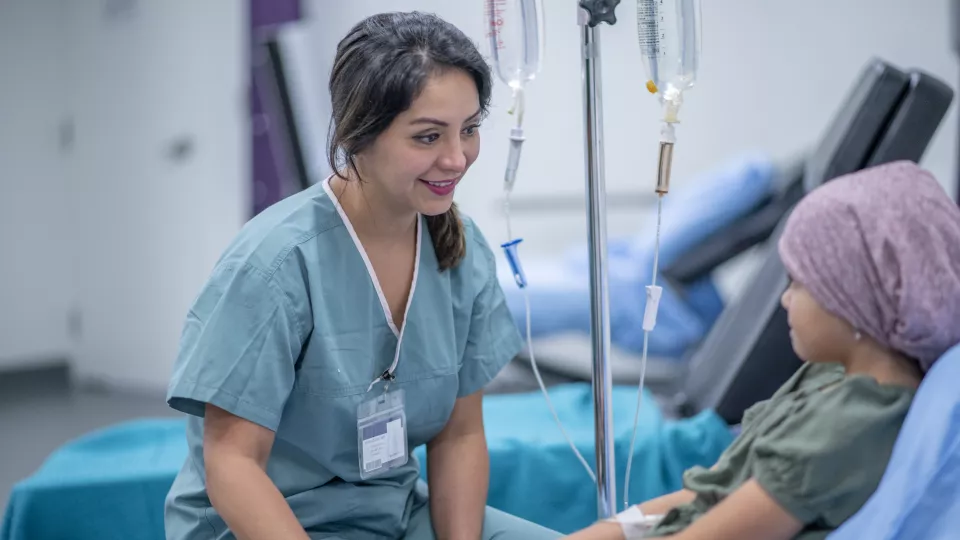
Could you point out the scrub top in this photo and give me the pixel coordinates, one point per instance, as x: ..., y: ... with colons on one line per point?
x: 819, y: 447
x: 289, y: 332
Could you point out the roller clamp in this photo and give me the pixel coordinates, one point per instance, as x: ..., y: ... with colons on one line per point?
x: 513, y: 258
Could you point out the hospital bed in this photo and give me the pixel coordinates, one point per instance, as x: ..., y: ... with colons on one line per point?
x: 112, y: 483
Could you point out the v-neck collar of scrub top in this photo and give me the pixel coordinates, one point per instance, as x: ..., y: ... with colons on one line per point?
x: 398, y: 332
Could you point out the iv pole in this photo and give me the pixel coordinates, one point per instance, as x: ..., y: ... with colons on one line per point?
x: 954, y: 16
x: 591, y: 14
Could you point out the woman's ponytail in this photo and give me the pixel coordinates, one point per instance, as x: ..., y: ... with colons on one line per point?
x: 449, y: 241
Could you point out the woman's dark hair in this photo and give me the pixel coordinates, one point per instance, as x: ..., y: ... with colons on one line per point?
x: 381, y: 67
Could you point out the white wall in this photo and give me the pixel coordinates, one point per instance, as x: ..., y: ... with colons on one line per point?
x: 149, y: 227
x: 35, y: 277
x: 114, y: 227
x: 127, y: 235
x: 113, y: 233
x: 772, y: 76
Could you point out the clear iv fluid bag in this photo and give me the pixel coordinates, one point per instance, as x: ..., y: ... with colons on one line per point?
x: 515, y: 33
x: 669, y: 35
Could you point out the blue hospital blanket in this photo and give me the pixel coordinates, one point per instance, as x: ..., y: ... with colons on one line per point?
x: 696, y: 208
x: 536, y: 476
x: 111, y: 484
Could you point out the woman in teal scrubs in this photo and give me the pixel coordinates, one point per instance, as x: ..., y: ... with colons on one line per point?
x: 354, y: 321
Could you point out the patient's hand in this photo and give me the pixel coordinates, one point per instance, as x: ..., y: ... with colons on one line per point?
x: 653, y: 507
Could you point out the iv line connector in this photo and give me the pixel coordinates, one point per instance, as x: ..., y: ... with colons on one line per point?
x: 663, y: 167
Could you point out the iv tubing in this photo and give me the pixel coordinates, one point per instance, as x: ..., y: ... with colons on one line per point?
x: 643, y: 362
x: 513, y: 157
x: 513, y: 161
x: 543, y: 387
x: 516, y: 141
x: 664, y: 166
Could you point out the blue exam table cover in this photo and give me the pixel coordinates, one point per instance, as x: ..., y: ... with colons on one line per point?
x: 112, y: 483
x: 919, y: 495
x: 559, y: 288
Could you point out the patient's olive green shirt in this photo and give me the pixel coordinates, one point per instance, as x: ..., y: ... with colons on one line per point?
x: 819, y: 447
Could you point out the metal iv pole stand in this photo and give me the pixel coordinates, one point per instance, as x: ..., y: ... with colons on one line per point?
x: 592, y: 13
x: 954, y: 16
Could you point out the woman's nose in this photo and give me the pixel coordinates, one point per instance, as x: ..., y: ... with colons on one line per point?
x: 453, y: 158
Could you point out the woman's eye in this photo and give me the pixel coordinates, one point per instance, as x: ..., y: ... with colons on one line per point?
x: 428, y: 139
x: 472, y: 130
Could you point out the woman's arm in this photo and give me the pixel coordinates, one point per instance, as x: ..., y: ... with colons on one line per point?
x: 749, y: 512
x: 600, y: 531
x: 235, y: 453
x: 458, y: 472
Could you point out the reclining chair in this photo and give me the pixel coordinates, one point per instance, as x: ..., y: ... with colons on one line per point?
x: 889, y: 115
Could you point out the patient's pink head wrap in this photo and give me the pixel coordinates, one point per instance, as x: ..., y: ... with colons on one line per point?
x: 880, y: 248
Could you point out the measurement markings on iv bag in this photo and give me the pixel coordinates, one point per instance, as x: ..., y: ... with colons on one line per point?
x: 648, y: 19
x: 495, y: 10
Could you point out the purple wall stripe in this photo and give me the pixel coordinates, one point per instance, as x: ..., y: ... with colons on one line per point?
x: 267, y: 177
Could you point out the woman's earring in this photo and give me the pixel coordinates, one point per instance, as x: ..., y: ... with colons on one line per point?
x: 857, y: 335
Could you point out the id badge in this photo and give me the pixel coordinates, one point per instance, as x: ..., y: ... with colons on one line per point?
x: 382, y: 434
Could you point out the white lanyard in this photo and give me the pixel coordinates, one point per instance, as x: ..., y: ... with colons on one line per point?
x: 388, y: 374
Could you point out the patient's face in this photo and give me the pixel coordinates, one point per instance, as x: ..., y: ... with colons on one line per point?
x: 817, y: 335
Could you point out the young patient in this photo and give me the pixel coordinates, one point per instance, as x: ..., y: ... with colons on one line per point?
x: 874, y: 300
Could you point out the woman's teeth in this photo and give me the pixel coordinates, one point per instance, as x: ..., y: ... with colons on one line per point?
x: 439, y: 184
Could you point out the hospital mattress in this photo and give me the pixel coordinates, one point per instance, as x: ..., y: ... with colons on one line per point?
x: 112, y: 483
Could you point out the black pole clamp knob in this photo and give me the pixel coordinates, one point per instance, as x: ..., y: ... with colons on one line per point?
x: 600, y: 11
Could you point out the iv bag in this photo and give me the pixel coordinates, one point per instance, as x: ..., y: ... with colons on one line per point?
x: 515, y: 34
x: 669, y: 35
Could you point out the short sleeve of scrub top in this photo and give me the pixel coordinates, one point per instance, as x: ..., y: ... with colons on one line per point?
x: 243, y: 339
x: 493, y: 339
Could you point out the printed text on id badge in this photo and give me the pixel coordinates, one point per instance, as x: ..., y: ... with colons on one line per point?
x: 382, y: 434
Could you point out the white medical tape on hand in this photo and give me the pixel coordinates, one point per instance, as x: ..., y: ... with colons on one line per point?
x: 634, y: 523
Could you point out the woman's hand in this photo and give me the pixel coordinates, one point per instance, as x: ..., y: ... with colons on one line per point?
x: 235, y: 453
x: 601, y: 531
